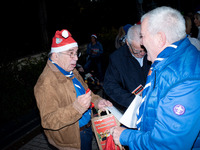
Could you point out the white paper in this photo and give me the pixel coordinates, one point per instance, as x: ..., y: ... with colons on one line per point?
x: 115, y: 112
x: 129, y: 118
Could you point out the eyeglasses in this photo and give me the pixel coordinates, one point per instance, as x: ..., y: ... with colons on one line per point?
x: 72, y: 54
x: 134, y: 51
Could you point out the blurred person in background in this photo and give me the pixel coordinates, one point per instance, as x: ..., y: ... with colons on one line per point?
x: 188, y: 24
x: 120, y: 39
x: 197, y: 22
x: 94, y: 52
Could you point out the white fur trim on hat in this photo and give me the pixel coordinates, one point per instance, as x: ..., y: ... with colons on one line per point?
x: 63, y: 48
x: 93, y: 35
x: 198, y: 12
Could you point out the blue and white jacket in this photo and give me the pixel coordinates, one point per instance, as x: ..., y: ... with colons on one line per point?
x: 171, y: 114
x: 95, y: 50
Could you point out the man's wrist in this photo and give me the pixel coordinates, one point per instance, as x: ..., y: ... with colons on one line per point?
x: 78, y: 107
x: 123, y: 139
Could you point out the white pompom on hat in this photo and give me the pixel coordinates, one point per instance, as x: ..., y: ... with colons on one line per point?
x: 62, y: 41
x: 65, y: 33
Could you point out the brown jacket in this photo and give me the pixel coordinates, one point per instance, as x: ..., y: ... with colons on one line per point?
x: 60, y: 112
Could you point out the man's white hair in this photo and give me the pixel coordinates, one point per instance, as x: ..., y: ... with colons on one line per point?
x: 134, y: 33
x: 167, y: 20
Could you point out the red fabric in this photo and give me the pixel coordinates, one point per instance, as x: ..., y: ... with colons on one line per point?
x: 110, y: 145
x: 92, y: 104
x: 87, y: 90
x: 59, y: 40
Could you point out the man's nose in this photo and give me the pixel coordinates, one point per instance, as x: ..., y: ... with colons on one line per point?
x: 75, y: 57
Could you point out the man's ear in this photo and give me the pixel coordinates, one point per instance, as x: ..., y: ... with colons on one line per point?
x: 54, y: 57
x: 161, y: 38
x: 127, y: 42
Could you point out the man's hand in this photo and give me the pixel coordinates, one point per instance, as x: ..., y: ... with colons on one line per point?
x: 116, y: 132
x: 104, y: 103
x: 85, y: 100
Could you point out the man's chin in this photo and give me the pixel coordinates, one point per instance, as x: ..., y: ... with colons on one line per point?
x: 148, y: 58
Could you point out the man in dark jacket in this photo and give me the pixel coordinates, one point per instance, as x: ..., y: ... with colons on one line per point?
x: 127, y: 69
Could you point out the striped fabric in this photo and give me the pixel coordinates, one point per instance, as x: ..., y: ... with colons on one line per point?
x: 78, y: 87
x: 149, y: 82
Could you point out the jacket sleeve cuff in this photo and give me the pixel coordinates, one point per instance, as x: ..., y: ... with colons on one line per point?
x: 124, y: 137
x: 96, y: 103
x: 78, y: 107
x: 96, y: 99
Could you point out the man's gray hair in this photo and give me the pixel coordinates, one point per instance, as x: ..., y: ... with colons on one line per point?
x: 167, y: 20
x: 134, y: 33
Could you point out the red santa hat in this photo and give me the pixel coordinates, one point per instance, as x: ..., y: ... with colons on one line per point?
x: 94, y: 35
x: 62, y: 41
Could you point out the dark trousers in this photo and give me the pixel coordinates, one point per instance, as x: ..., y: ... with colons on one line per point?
x: 86, y: 139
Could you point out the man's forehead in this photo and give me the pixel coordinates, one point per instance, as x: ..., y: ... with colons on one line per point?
x: 143, y: 26
x: 72, y: 49
x: 141, y: 33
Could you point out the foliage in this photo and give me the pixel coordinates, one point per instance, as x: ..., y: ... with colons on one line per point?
x: 17, y: 81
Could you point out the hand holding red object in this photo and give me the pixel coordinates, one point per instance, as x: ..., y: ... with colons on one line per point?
x: 85, y: 100
x: 110, y: 145
x: 92, y: 104
x: 87, y: 90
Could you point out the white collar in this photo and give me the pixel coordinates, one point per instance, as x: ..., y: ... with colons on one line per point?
x: 140, y: 60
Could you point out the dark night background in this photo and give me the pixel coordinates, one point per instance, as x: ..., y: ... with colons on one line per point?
x: 27, y: 29
x: 28, y: 26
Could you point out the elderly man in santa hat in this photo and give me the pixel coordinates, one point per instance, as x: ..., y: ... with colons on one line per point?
x: 61, y: 97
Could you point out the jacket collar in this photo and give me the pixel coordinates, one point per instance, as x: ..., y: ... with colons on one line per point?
x: 180, y: 50
x: 127, y: 52
x: 61, y: 77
